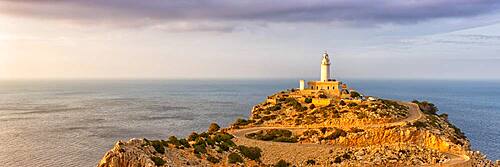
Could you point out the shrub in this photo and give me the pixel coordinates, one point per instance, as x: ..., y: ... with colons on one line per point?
x: 337, y: 160
x: 420, y: 124
x: 336, y: 115
x: 184, y: 143
x: 308, y: 100
x: 277, y: 135
x: 200, y: 149
x: 323, y: 130
x: 222, y: 147
x: 323, y: 96
x: 362, y: 115
x: 204, y: 135
x: 193, y: 136
x: 312, y: 106
x: 296, y: 105
x: 158, y: 161
x: 286, y: 139
x: 212, y: 159
x: 200, y: 141
x: 444, y: 116
x: 229, y: 143
x: 427, y: 107
x: 241, y: 122
x: 158, y: 145
x: 336, y: 134
x: 310, y: 132
x: 280, y: 132
x: 342, y: 103
x: 356, y: 130
x: 213, y: 128
x: 252, y: 153
x: 234, y: 158
x: 220, y: 137
x: 311, y: 162
x: 210, y: 142
x: 275, y: 108
x: 352, y: 104
x: 173, y: 140
x: 355, y: 94
x: 281, y: 163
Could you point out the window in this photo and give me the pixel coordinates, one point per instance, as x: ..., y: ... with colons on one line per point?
x: 328, y: 88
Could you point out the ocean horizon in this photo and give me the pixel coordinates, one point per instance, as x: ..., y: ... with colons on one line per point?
x: 59, y: 122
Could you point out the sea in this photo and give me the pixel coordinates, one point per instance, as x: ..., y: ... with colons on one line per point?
x: 73, y: 123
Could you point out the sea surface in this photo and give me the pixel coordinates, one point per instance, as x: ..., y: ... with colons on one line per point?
x: 73, y: 123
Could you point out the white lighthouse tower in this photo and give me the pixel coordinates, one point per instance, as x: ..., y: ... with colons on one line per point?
x: 326, y: 85
x: 325, y: 68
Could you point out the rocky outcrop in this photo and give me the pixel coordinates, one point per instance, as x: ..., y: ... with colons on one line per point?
x: 137, y: 152
x: 291, y: 130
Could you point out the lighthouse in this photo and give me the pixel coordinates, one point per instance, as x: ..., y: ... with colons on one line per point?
x: 325, y: 68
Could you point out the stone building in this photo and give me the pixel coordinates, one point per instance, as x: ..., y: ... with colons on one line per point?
x: 326, y: 84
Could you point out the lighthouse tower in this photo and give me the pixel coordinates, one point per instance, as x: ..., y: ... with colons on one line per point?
x: 325, y: 68
x: 326, y: 85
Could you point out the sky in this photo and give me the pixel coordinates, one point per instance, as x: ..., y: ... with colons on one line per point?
x: 247, y: 39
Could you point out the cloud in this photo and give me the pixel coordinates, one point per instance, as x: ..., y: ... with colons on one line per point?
x: 171, y: 12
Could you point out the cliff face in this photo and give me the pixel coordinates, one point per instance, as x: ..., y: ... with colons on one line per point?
x: 137, y: 152
x: 292, y: 131
x: 128, y: 154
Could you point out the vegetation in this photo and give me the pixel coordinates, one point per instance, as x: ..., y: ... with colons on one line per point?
x: 308, y: 100
x: 295, y: 104
x: 337, y: 160
x: 361, y: 115
x: 426, y: 107
x: 323, y: 96
x: 241, y: 122
x: 213, y: 128
x: 234, y: 158
x: 282, y: 163
x: 310, y: 132
x: 158, y: 161
x: 355, y: 130
x: 311, y: 162
x: 192, y: 137
x: 336, y: 134
x: 253, y: 153
x: 352, y: 104
x: 277, y: 135
x: 200, y: 149
x: 184, y: 143
x: 174, y: 141
x: 159, y: 146
x: 213, y: 159
x: 419, y: 124
x: 275, y: 107
x: 355, y: 94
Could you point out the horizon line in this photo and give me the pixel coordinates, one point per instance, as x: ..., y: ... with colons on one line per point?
x: 238, y: 78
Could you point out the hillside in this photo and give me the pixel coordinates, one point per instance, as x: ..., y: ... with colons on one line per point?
x: 291, y: 128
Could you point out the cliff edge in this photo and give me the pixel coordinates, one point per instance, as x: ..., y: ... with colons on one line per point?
x: 291, y: 128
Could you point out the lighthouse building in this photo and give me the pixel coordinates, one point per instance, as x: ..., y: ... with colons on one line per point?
x: 326, y: 84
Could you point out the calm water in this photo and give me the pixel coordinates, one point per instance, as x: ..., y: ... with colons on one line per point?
x: 73, y: 123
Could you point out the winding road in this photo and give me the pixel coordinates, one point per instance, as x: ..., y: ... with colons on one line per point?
x: 275, y: 151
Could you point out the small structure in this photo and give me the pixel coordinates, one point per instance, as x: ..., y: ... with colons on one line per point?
x: 301, y: 84
x: 326, y: 84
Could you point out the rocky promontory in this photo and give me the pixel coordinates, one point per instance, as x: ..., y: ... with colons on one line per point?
x: 291, y: 128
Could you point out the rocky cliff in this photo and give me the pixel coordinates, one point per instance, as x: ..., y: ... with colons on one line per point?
x: 289, y: 130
